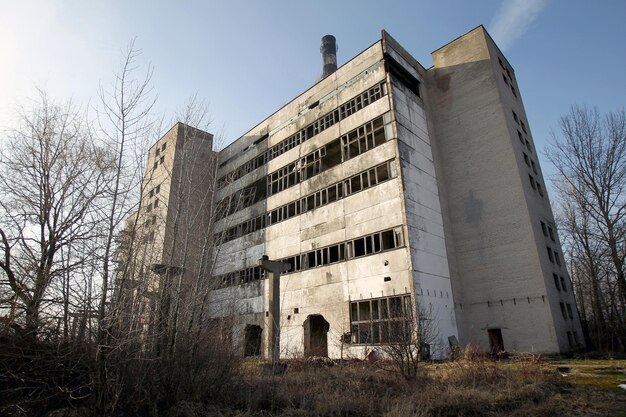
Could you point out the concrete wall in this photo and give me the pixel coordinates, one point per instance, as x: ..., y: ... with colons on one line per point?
x: 492, y: 211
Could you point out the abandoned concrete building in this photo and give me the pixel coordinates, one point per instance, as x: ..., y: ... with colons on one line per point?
x: 384, y: 186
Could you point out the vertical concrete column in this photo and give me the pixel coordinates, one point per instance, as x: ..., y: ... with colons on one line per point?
x: 274, y: 269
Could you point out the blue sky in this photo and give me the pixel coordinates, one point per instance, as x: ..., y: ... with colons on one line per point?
x: 247, y: 58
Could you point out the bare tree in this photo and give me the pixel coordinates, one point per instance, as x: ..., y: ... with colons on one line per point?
x: 53, y: 178
x: 409, y: 336
x: 590, y: 158
x: 126, y: 125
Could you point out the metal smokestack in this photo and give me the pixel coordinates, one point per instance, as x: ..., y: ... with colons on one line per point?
x: 329, y: 55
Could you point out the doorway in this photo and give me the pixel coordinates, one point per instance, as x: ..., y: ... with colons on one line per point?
x: 252, y: 340
x: 496, y: 343
x: 316, y: 336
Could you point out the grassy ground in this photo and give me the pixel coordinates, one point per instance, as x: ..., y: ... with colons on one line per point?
x: 468, y: 387
x: 605, y: 374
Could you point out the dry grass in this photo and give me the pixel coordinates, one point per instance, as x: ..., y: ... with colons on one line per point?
x: 472, y: 386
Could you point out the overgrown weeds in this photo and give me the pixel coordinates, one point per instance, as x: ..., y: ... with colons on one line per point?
x: 473, y: 385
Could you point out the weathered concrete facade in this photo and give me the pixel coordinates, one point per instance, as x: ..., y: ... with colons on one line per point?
x: 386, y: 185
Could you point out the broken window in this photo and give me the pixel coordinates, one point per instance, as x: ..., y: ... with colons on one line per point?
x: 330, y: 194
x: 321, y: 124
x: 363, y: 138
x: 372, y: 323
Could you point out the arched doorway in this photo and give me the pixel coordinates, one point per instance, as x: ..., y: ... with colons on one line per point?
x: 316, y: 335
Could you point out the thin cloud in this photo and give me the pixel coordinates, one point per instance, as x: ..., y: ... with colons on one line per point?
x: 513, y: 19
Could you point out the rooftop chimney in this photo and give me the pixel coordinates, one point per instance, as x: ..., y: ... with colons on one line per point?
x: 329, y: 55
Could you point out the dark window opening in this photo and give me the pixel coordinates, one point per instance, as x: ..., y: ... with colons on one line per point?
x: 550, y: 256
x: 563, y: 284
x: 556, y: 281
x: 323, y: 123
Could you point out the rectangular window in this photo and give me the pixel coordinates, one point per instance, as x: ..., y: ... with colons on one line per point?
x: 515, y: 117
x: 563, y: 312
x: 526, y: 159
x: 550, y: 256
x: 381, y: 320
x: 521, y: 137
x: 551, y: 232
x: 532, y: 181
x: 506, y: 81
x: 557, y: 258
x: 161, y: 160
x: 569, y: 311
x: 563, y: 284
x: 556, y: 281
x: 570, y: 340
x: 539, y: 189
x: 534, y: 166
x: 544, y: 228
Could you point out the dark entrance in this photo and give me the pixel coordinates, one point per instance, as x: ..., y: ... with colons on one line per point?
x: 252, y: 340
x: 496, y: 343
x: 315, y: 336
